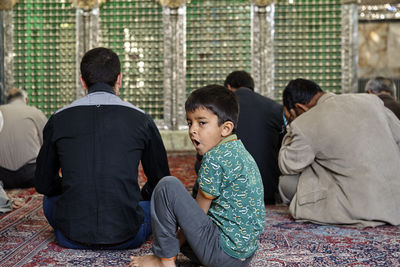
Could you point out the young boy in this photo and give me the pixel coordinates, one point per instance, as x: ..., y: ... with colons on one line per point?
x: 223, y: 227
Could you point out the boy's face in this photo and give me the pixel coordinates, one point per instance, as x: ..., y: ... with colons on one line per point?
x: 204, y: 130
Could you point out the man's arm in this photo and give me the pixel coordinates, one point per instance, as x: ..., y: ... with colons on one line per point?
x: 40, y: 122
x: 394, y: 125
x: 295, y: 153
x: 46, y: 180
x: 154, y: 160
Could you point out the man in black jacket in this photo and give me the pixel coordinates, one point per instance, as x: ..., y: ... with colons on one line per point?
x: 98, y: 142
x: 259, y: 127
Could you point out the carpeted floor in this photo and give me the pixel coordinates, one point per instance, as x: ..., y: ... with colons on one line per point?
x: 27, y: 240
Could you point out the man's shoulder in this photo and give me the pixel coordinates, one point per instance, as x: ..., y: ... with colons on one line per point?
x: 98, y: 99
x: 23, y: 109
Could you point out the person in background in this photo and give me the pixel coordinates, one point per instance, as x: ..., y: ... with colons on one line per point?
x: 21, y: 128
x: 260, y: 129
x: 384, y: 88
x: 98, y: 142
x: 340, y: 157
x: 221, y: 227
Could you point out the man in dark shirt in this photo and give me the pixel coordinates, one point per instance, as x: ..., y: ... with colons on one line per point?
x: 259, y: 127
x: 384, y: 89
x: 98, y: 142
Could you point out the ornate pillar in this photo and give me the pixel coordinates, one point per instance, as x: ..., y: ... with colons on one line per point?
x: 174, y: 23
x: 349, y: 46
x: 6, y: 46
x: 262, y: 46
x: 87, y: 27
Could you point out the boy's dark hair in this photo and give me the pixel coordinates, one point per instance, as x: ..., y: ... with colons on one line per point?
x: 218, y: 99
x: 100, y: 65
x: 299, y: 91
x: 239, y: 78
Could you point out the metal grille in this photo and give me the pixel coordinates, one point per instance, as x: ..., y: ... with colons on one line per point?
x: 218, y: 40
x: 307, y: 43
x: 133, y: 29
x: 44, y: 52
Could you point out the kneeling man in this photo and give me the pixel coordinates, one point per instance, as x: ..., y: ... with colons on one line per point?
x: 340, y: 158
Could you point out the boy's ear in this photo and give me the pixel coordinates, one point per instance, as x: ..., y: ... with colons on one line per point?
x: 227, y: 128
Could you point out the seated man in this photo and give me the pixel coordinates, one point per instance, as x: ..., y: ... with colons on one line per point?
x: 384, y: 88
x: 98, y: 142
x: 259, y: 128
x: 340, y: 157
x: 21, y: 128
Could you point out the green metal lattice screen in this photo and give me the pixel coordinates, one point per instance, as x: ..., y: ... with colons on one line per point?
x: 44, y: 52
x: 134, y: 30
x: 218, y: 40
x: 307, y: 43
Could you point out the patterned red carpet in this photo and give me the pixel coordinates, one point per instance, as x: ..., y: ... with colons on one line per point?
x: 27, y: 240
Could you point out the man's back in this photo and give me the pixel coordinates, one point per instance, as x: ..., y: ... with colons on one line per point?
x: 21, y: 134
x: 351, y: 145
x: 259, y: 126
x: 99, y: 141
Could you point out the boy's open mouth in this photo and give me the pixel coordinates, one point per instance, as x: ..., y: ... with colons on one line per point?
x: 195, y: 142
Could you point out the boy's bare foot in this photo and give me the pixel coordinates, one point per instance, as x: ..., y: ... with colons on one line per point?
x: 150, y: 261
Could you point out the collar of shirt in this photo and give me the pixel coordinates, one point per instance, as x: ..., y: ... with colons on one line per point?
x: 227, y: 139
x: 101, y: 87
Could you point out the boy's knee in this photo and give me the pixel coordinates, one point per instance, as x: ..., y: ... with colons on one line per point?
x: 167, y: 181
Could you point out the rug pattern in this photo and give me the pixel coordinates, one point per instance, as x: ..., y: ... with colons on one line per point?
x: 27, y: 240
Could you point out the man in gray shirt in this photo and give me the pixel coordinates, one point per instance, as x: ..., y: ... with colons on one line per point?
x: 21, y: 136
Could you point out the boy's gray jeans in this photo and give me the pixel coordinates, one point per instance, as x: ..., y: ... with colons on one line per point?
x: 173, y: 206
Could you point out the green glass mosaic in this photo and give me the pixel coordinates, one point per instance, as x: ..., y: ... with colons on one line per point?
x: 307, y: 43
x: 134, y: 30
x: 44, y: 52
x: 218, y: 40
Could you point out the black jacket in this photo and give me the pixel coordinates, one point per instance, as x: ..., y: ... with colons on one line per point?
x: 259, y: 127
x: 98, y: 142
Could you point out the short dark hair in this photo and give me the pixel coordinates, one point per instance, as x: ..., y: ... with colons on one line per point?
x: 380, y: 84
x: 299, y: 91
x: 218, y: 99
x: 100, y: 65
x: 239, y: 78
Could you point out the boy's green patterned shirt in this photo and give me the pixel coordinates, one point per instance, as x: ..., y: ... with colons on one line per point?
x: 230, y: 176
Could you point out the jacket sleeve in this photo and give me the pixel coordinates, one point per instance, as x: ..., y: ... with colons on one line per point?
x: 154, y: 160
x: 295, y: 153
x: 47, y: 180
